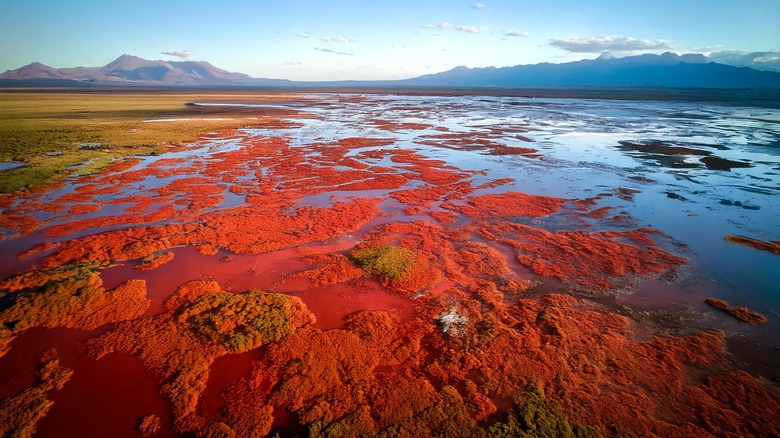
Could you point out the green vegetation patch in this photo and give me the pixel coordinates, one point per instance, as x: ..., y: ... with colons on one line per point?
x: 392, y: 262
x: 61, y: 134
x: 68, y: 296
x: 534, y: 415
x: 241, y: 322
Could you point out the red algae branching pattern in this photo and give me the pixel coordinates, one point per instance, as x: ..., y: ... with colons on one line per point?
x: 741, y: 313
x: 772, y: 247
x: 494, y: 337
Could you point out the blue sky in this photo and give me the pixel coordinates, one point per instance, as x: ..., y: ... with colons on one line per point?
x: 343, y: 39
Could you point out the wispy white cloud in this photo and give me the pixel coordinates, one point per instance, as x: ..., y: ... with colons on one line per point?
x: 478, y: 6
x: 341, y: 39
x: 459, y: 27
x: 615, y: 43
x: 303, y: 35
x: 181, y: 53
x: 337, y: 52
x: 516, y: 33
x: 467, y: 29
x: 292, y: 63
x: 768, y: 60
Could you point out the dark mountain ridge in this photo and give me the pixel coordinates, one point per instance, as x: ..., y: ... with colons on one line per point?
x: 667, y: 70
x: 664, y: 71
x: 132, y: 70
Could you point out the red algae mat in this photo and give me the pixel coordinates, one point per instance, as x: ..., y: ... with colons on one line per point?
x: 257, y: 283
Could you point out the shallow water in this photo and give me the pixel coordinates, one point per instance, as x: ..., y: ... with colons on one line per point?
x: 6, y: 165
x: 579, y: 140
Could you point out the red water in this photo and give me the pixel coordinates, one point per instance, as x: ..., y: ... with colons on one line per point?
x: 223, y: 371
x: 331, y: 304
x: 105, y: 398
x: 18, y: 366
x: 234, y: 272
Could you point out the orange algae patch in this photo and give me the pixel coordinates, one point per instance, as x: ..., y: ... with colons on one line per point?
x: 773, y: 246
x: 336, y: 268
x: 470, y: 141
x: 495, y: 183
x: 51, y: 208
x: 71, y: 296
x: 19, y: 414
x: 43, y: 246
x: 741, y: 313
x: 444, y: 217
x: 590, y: 259
x: 149, y: 425
x: 65, y: 229
x: 426, y: 195
x: 434, y: 172
x: 80, y: 209
x: 155, y: 261
x: 201, y: 322
x: 95, y: 189
x: 376, y: 182
x: 20, y: 222
x: 600, y: 375
x: 163, y: 162
x: 510, y: 204
x: 599, y: 213
x: 383, y: 375
x: 329, y: 378
x: 121, y: 165
x: 256, y: 230
x: 325, y: 178
x: 246, y: 230
x: 350, y: 143
x: 192, y: 186
x: 207, y: 249
x: 390, y: 125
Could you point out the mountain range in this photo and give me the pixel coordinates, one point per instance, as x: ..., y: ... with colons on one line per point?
x: 132, y: 70
x: 667, y: 70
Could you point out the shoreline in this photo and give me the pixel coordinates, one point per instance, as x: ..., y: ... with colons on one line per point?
x: 769, y: 98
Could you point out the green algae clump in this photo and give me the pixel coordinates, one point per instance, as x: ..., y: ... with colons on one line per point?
x: 241, y: 322
x: 534, y: 415
x: 391, y: 262
x: 70, y: 296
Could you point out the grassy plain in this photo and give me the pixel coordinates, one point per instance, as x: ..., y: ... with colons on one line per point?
x: 57, y: 134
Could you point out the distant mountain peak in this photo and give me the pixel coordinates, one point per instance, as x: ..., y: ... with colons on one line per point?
x: 34, y: 70
x: 131, y: 69
x: 129, y: 63
x: 646, y: 70
x: 668, y: 70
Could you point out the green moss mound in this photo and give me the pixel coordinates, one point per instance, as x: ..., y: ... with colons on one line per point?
x: 392, y: 262
x: 241, y: 322
x: 534, y: 415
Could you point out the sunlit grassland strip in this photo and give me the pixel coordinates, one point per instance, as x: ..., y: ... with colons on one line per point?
x: 61, y: 134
